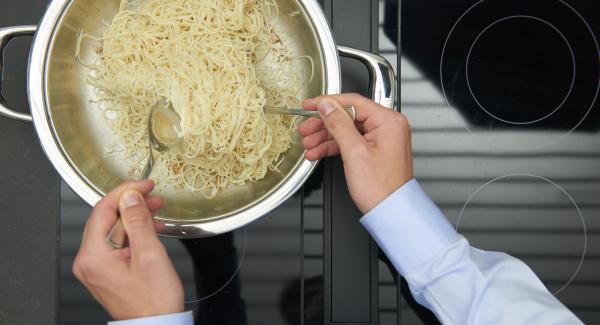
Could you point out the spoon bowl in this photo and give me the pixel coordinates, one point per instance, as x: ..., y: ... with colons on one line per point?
x: 164, y: 132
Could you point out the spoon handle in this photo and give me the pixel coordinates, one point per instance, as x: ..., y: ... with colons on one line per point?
x: 117, y: 236
x: 303, y: 112
x: 161, y: 111
x: 149, y: 166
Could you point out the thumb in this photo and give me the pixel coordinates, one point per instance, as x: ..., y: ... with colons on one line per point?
x: 339, y: 124
x: 137, y: 220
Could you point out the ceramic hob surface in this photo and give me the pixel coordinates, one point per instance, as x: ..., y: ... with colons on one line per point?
x: 503, y: 99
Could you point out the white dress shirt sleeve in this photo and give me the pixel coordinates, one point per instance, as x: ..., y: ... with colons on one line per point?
x: 185, y: 318
x: 458, y: 283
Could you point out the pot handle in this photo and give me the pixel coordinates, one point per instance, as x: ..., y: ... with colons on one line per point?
x: 383, y: 79
x: 6, y: 34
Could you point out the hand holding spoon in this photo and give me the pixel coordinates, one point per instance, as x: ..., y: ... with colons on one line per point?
x: 164, y: 133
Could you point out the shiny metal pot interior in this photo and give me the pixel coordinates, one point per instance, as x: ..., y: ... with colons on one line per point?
x: 74, y: 137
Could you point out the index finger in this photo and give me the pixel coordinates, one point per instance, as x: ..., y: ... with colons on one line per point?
x: 105, y: 213
x: 310, y: 126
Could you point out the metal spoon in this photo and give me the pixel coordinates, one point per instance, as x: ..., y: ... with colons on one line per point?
x: 164, y: 133
x: 303, y: 112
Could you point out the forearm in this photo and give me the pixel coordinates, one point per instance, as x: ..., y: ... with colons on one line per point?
x: 460, y: 284
x: 465, y: 285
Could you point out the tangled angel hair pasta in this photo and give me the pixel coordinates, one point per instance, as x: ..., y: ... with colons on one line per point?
x: 204, y: 57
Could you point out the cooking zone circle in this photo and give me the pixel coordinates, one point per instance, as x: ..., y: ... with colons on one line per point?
x: 508, y: 64
x: 531, y: 218
x: 217, y: 261
x: 520, y: 78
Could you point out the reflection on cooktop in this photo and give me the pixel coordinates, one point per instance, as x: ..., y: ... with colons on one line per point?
x: 501, y: 96
x: 216, y: 264
x: 235, y: 278
x: 517, y: 205
x: 510, y: 64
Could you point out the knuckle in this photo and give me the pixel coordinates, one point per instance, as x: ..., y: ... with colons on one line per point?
x: 354, y: 96
x: 76, y: 269
x: 309, y: 142
x: 359, y: 152
x: 119, y: 189
x: 100, y: 206
x: 124, y: 185
x: 401, y: 121
x: 83, y: 268
x: 149, y: 258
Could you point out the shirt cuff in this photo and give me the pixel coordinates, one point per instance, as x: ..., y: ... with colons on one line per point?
x: 409, y: 227
x: 184, y: 318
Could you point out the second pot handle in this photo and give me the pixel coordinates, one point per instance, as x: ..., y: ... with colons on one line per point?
x: 383, y: 79
x: 6, y: 34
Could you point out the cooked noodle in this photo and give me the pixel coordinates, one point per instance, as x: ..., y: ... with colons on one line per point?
x: 209, y: 59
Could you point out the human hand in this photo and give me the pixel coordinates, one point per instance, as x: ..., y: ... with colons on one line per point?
x: 376, y: 150
x: 136, y: 281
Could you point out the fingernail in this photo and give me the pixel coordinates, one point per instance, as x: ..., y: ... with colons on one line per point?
x: 326, y: 106
x: 131, y: 198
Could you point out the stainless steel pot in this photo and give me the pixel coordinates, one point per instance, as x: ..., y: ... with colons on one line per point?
x: 74, y: 137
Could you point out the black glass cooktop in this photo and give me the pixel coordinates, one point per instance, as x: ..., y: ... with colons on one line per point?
x: 502, y: 97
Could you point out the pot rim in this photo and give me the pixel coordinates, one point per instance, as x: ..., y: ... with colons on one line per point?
x: 38, y: 100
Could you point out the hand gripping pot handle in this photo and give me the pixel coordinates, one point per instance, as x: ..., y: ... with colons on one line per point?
x: 383, y: 79
x: 6, y: 34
